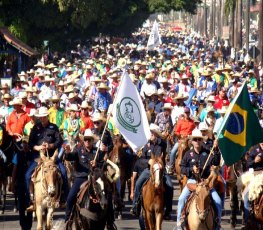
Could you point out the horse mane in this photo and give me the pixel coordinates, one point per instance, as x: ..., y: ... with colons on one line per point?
x: 255, y: 187
x: 244, y: 180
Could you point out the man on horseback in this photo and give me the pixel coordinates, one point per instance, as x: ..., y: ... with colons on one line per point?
x: 83, y: 156
x: 255, y: 164
x: 44, y: 136
x: 156, y: 146
x: 193, y: 161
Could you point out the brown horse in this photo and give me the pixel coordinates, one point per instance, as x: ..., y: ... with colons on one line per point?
x: 182, y: 149
x: 200, y: 212
x: 153, y: 198
x: 47, y: 187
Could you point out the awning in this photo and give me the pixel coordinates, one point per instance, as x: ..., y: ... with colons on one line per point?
x: 15, y: 42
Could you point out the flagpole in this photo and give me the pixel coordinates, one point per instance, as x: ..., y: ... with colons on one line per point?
x: 109, y: 114
x: 222, y: 125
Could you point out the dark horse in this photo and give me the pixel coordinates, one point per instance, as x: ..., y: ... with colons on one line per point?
x: 91, y: 209
x: 125, y: 162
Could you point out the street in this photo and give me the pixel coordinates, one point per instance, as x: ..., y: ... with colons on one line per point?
x: 9, y: 221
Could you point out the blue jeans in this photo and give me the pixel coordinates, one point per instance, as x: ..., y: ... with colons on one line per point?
x: 71, y: 200
x: 30, y: 171
x: 139, y: 183
x: 246, y: 205
x: 173, y: 153
x: 186, y: 193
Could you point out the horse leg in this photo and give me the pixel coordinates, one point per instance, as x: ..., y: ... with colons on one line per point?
x: 159, y: 220
x: 49, y: 220
x: 4, y: 198
x: 233, y: 205
x: 149, y: 221
x: 39, y: 217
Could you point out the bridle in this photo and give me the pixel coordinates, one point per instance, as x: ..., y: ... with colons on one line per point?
x: 159, y: 168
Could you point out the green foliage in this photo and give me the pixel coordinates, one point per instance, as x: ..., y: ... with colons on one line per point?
x: 61, y: 22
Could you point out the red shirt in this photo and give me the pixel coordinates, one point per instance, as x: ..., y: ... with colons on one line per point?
x: 16, y: 122
x: 220, y: 102
x: 28, y: 107
x: 88, y: 124
x: 184, y: 127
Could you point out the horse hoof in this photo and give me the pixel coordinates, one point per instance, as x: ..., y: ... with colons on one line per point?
x: 2, y: 212
x: 120, y: 217
x: 15, y: 210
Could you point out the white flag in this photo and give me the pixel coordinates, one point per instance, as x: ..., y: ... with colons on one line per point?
x: 154, y: 38
x: 129, y: 115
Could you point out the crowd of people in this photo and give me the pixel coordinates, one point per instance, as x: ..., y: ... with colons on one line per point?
x: 186, y: 85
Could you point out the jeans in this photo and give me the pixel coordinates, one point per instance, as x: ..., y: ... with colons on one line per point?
x: 186, y: 193
x: 30, y: 171
x: 168, y: 197
x: 173, y: 153
x: 71, y: 199
x: 246, y: 204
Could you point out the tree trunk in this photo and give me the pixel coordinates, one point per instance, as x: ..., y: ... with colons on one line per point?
x: 232, y: 27
x: 247, y: 23
x: 238, y: 29
x: 260, y: 31
x: 219, y: 19
x: 205, y: 20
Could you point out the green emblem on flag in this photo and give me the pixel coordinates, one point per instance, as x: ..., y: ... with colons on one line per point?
x: 128, y: 114
x: 240, y: 129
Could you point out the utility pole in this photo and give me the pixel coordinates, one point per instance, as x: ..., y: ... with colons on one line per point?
x: 247, y: 23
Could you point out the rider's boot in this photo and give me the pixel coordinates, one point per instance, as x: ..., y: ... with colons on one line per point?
x: 32, y: 206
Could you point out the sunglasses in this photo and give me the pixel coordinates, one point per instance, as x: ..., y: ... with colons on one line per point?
x: 83, y: 108
x: 88, y: 139
x: 96, y: 122
x: 197, y: 139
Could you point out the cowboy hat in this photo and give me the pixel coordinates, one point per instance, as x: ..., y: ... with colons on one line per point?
x: 22, y: 74
x: 85, y: 105
x: 206, y: 73
x: 155, y: 129
x: 73, y: 107
x: 149, y: 76
x: 32, y: 112
x: 71, y: 95
x: 30, y: 89
x: 97, y: 117
x: 181, y: 96
x: 60, y: 83
x: 103, y: 86
x: 114, y: 76
x: 88, y: 133
x: 161, y: 92
x: 42, y: 112
x: 48, y: 79
x: 211, y: 98
x: 16, y: 101
x: 184, y: 77
x: 251, y: 71
x: 7, y: 96
x: 22, y: 95
x: 196, y: 133
x: 203, y: 126
x: 39, y: 64
x: 96, y: 79
x: 55, y: 98
x: 69, y: 89
x: 168, y: 106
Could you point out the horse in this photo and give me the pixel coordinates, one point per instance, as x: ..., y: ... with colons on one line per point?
x: 182, y: 149
x: 125, y: 163
x: 200, y: 214
x: 231, y: 173
x: 252, y: 182
x: 91, y: 209
x: 3, y: 185
x: 47, y: 187
x: 152, y: 195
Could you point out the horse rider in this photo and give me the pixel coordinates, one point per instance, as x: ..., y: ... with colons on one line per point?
x: 255, y: 164
x: 44, y: 136
x: 156, y: 146
x: 83, y: 156
x: 193, y: 161
x: 184, y: 128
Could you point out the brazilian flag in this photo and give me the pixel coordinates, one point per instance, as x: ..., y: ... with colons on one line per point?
x: 240, y: 128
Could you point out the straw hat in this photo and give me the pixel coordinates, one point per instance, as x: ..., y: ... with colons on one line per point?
x: 73, y: 107
x: 168, y: 106
x: 39, y: 64
x: 103, y: 86
x: 55, y: 98
x: 98, y: 117
x: 7, y: 96
x: 149, y: 76
x: 96, y: 79
x: 48, y: 79
x: 156, y: 129
x: 69, y: 89
x: 203, y: 126
x: 196, y: 134
x: 88, y: 133
x: 71, y: 95
x: 184, y: 77
x: 161, y: 92
x: 251, y: 71
x: 60, y: 83
x: 16, y: 101
x: 85, y: 105
x: 181, y: 96
x: 30, y: 89
x: 206, y: 73
x: 211, y: 98
x: 42, y: 112
x: 22, y: 95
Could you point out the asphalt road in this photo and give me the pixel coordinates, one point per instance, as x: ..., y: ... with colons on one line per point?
x: 9, y: 220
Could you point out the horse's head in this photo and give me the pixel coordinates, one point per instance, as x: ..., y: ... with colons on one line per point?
x: 50, y: 173
x: 99, y: 185
x: 202, y: 198
x: 157, y: 171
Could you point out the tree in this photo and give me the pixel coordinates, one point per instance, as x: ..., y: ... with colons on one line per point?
x: 260, y: 31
